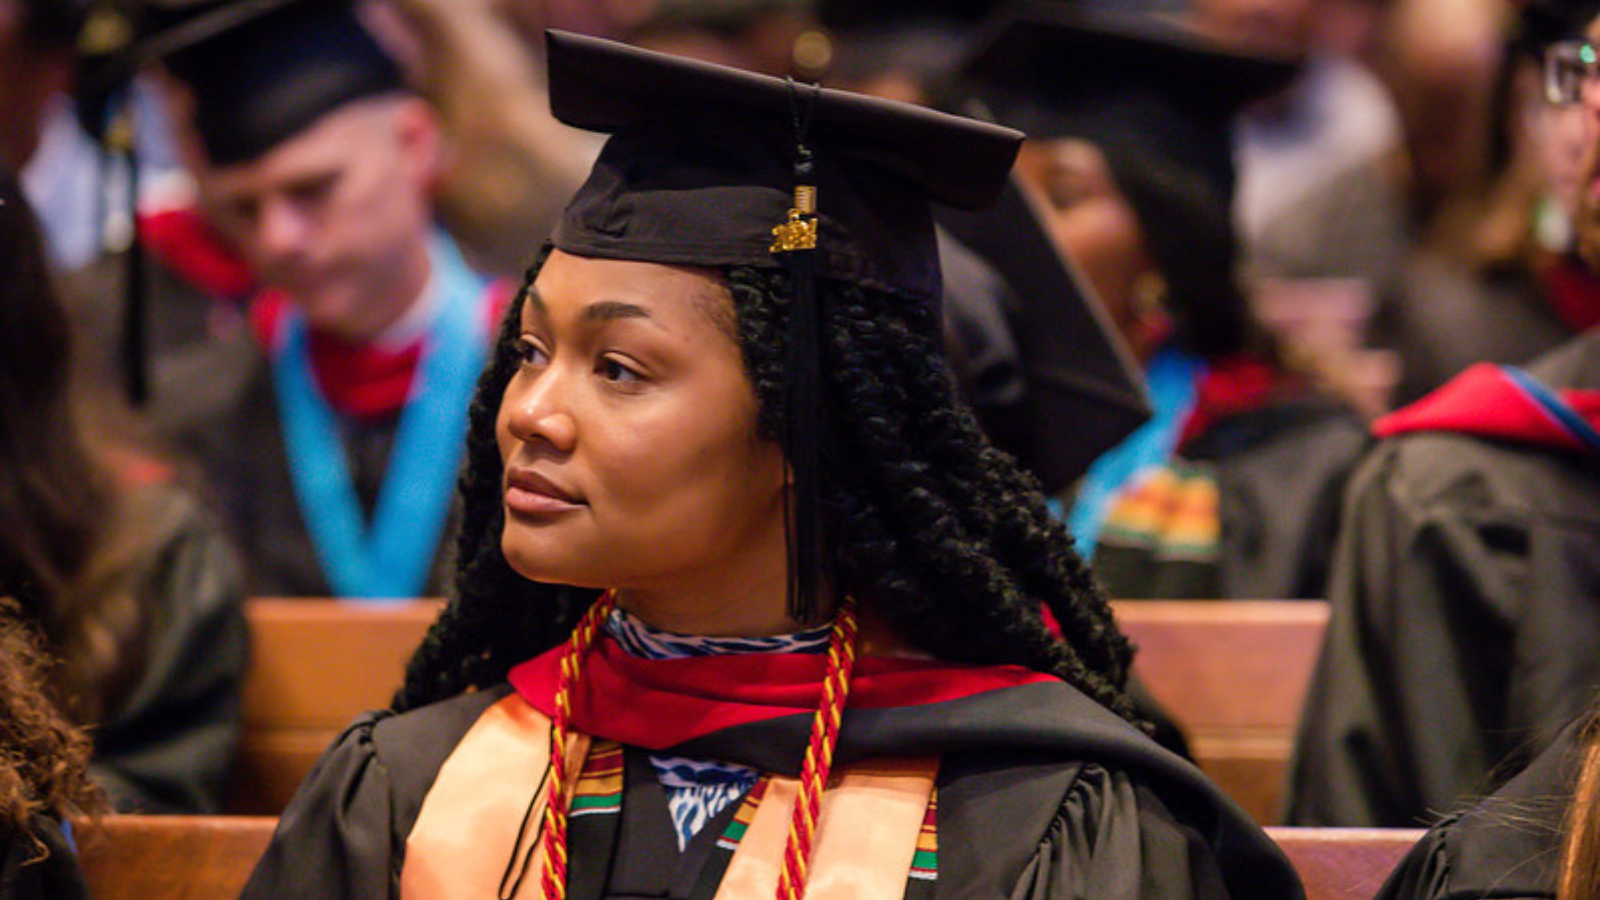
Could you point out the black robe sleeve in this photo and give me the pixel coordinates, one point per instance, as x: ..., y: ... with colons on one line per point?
x: 166, y: 746
x: 343, y: 835
x: 1028, y: 827
x: 1112, y: 839
x: 40, y: 864
x: 1506, y: 846
x: 1462, y: 630
x: 333, y: 840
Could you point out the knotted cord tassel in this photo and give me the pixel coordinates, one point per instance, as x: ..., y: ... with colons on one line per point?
x: 805, y: 418
x: 554, y: 839
x: 808, y: 564
x: 819, y: 753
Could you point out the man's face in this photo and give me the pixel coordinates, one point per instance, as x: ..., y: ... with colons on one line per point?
x: 338, y: 215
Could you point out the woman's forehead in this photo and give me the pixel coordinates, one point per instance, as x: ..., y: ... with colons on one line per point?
x: 585, y: 284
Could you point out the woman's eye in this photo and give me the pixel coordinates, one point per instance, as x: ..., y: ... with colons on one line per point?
x: 1065, y: 195
x: 529, y: 353
x: 613, y: 369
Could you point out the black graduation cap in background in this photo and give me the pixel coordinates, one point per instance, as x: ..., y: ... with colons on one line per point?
x: 1159, y: 100
x: 262, y: 71
x: 1083, y: 390
x: 1543, y: 22
x: 712, y: 166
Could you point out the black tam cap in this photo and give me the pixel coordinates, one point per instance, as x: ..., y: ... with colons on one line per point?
x: 712, y: 166
x: 1159, y: 100
x: 262, y: 71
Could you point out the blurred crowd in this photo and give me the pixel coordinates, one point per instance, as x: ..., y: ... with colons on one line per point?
x: 1316, y: 242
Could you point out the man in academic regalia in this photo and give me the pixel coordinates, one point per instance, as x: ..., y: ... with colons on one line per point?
x: 334, y: 456
x: 1466, y: 587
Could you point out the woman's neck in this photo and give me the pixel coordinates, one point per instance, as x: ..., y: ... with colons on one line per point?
x: 752, y: 612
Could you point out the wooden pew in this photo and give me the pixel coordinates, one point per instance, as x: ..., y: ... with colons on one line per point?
x: 1234, y: 674
x: 315, y: 664
x: 210, y: 857
x: 171, y: 857
x: 1344, y: 863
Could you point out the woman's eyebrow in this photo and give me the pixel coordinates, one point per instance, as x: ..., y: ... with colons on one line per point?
x: 537, y: 302
x: 610, y: 310
x: 600, y: 311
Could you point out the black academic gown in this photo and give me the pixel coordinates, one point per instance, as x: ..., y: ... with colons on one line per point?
x: 1279, y: 471
x: 1447, y: 316
x: 1041, y: 794
x: 46, y: 870
x: 241, y: 449
x: 167, y: 740
x: 1465, y: 616
x: 1507, y: 846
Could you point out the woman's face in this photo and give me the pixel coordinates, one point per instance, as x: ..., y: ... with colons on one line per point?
x: 1094, y: 225
x: 628, y: 434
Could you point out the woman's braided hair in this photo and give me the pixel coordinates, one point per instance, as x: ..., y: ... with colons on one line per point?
x: 933, y: 529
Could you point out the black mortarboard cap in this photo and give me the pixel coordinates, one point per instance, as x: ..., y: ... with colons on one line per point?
x: 1083, y: 389
x: 1057, y: 69
x: 701, y: 165
x: 1543, y: 22
x: 1159, y: 100
x: 704, y: 166
x: 262, y: 71
x: 53, y: 22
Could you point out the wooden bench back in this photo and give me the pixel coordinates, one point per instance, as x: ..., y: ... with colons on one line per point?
x: 171, y: 857
x: 1234, y: 673
x: 315, y: 664
x: 211, y: 857
x: 1344, y: 863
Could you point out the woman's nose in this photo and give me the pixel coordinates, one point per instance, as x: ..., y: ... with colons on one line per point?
x: 539, y: 409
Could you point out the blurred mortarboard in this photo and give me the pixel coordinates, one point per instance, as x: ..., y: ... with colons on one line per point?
x: 1056, y: 69
x: 53, y: 23
x: 1159, y: 100
x: 262, y: 71
x: 711, y: 166
x: 1543, y: 22
x: 1083, y: 390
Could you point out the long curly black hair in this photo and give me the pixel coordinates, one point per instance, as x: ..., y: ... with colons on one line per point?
x: 938, y: 532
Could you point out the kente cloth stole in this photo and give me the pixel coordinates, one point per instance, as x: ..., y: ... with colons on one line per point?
x: 871, y: 833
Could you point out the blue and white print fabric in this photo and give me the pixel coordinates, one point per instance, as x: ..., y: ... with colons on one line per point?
x: 697, y: 790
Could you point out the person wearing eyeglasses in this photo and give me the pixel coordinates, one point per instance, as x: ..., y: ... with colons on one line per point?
x: 1466, y: 587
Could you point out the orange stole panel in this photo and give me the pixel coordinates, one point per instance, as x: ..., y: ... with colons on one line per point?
x: 466, y: 832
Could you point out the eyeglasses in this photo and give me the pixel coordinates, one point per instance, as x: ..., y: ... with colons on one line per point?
x: 1569, y: 68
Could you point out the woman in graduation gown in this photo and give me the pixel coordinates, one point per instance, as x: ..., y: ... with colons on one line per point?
x: 1232, y: 488
x: 746, y: 605
x: 136, y: 592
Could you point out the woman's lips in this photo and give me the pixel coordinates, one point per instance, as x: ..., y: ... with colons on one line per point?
x: 531, y: 494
